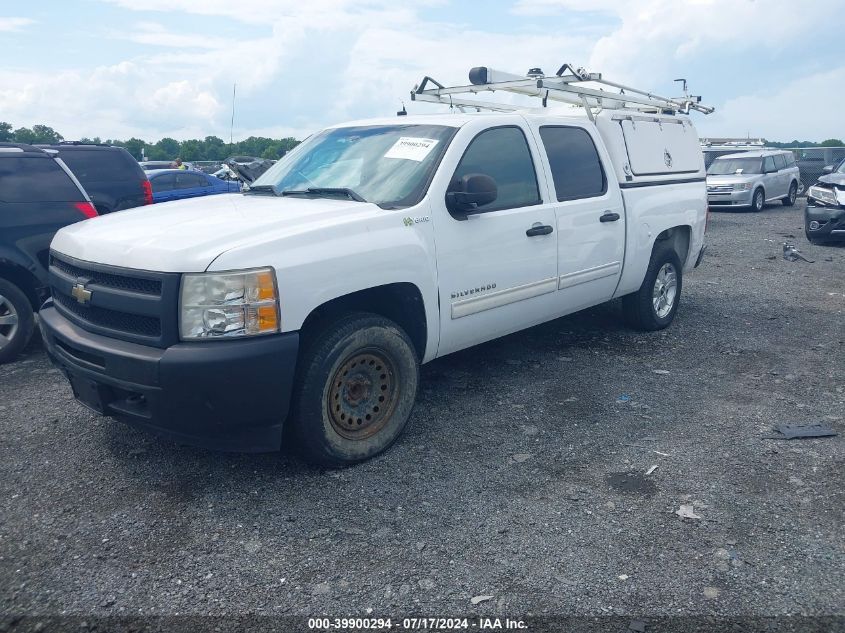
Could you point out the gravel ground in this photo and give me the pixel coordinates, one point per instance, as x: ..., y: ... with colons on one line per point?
x: 521, y: 476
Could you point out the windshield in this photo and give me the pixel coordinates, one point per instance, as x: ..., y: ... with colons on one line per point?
x: 389, y: 165
x: 841, y: 168
x: 723, y: 166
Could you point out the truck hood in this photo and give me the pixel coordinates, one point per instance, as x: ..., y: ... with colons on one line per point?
x: 187, y: 235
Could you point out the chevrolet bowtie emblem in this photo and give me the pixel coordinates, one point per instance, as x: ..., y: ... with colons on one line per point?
x: 82, y: 295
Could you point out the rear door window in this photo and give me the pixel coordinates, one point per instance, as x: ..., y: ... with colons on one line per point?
x: 190, y: 181
x: 780, y: 161
x: 502, y: 153
x: 99, y: 165
x: 35, y: 179
x: 576, y: 168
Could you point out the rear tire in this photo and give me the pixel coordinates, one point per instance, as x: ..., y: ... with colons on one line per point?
x: 758, y: 201
x: 17, y: 321
x: 354, y: 391
x: 791, y: 196
x: 654, y: 305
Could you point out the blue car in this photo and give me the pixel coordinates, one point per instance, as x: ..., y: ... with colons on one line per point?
x: 175, y: 184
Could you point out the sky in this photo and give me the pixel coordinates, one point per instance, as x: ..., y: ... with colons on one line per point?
x: 155, y: 68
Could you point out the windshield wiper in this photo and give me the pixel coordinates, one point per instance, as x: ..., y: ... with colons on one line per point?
x: 261, y: 188
x: 325, y: 191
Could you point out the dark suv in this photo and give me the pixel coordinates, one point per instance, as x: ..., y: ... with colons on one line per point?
x: 111, y: 177
x: 38, y: 196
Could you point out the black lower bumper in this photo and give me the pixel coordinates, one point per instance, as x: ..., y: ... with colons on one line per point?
x: 225, y: 395
x: 824, y: 223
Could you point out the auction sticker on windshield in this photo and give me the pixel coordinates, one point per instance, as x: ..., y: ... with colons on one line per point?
x: 411, y: 148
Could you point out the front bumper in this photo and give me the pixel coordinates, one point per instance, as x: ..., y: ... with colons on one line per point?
x: 225, y: 395
x: 730, y: 199
x: 825, y: 223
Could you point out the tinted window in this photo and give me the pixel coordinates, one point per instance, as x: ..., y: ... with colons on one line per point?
x: 100, y: 165
x: 503, y: 154
x: 790, y: 159
x: 780, y: 161
x: 190, y: 181
x: 165, y: 182
x: 35, y: 179
x: 575, y: 163
x: 768, y: 163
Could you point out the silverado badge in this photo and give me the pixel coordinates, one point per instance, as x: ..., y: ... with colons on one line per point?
x: 81, y: 294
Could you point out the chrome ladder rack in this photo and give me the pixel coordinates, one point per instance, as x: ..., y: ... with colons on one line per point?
x: 569, y: 85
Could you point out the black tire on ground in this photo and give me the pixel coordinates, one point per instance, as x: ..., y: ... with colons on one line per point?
x: 790, y: 198
x: 355, y: 389
x: 646, y: 309
x: 17, y: 321
x: 758, y: 201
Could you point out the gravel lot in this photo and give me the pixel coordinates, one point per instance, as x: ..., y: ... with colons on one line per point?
x: 521, y: 476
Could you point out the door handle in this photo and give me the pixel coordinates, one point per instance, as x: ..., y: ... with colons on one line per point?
x: 609, y: 216
x: 539, y: 229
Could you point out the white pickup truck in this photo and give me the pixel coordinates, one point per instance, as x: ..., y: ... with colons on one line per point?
x: 310, y: 300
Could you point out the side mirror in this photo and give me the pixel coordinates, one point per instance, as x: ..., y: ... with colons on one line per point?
x: 827, y: 169
x: 470, y: 192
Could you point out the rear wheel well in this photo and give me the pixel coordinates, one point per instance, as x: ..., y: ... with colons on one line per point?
x: 678, y: 238
x: 399, y: 302
x: 24, y: 280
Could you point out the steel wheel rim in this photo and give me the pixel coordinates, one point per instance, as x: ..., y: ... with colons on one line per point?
x: 363, y: 394
x: 665, y: 290
x: 9, y: 322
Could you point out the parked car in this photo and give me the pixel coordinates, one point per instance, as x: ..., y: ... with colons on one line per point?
x: 38, y: 196
x: 373, y: 247
x: 175, y: 184
x: 824, y: 216
x: 111, y: 177
x: 712, y: 151
x: 751, y: 179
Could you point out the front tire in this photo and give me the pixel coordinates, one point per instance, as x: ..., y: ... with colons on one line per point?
x: 791, y: 196
x: 654, y: 305
x: 17, y: 321
x: 758, y: 201
x: 355, y: 390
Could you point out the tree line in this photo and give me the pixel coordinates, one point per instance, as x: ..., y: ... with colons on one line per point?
x: 209, y: 148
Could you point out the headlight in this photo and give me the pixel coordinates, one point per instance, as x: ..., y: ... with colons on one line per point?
x: 823, y: 195
x: 227, y: 305
x: 742, y: 186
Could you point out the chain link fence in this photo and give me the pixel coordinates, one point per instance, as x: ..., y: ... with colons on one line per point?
x: 812, y: 161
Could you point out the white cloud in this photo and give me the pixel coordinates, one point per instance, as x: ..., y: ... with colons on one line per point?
x: 314, y: 63
x: 155, y: 34
x: 802, y: 109
x: 14, y: 24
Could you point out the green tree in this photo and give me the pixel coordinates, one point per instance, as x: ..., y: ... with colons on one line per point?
x: 166, y: 149
x: 832, y: 142
x: 24, y: 135
x: 46, y: 134
x: 192, y: 150
x: 214, y: 148
x: 134, y: 146
x: 6, y: 133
